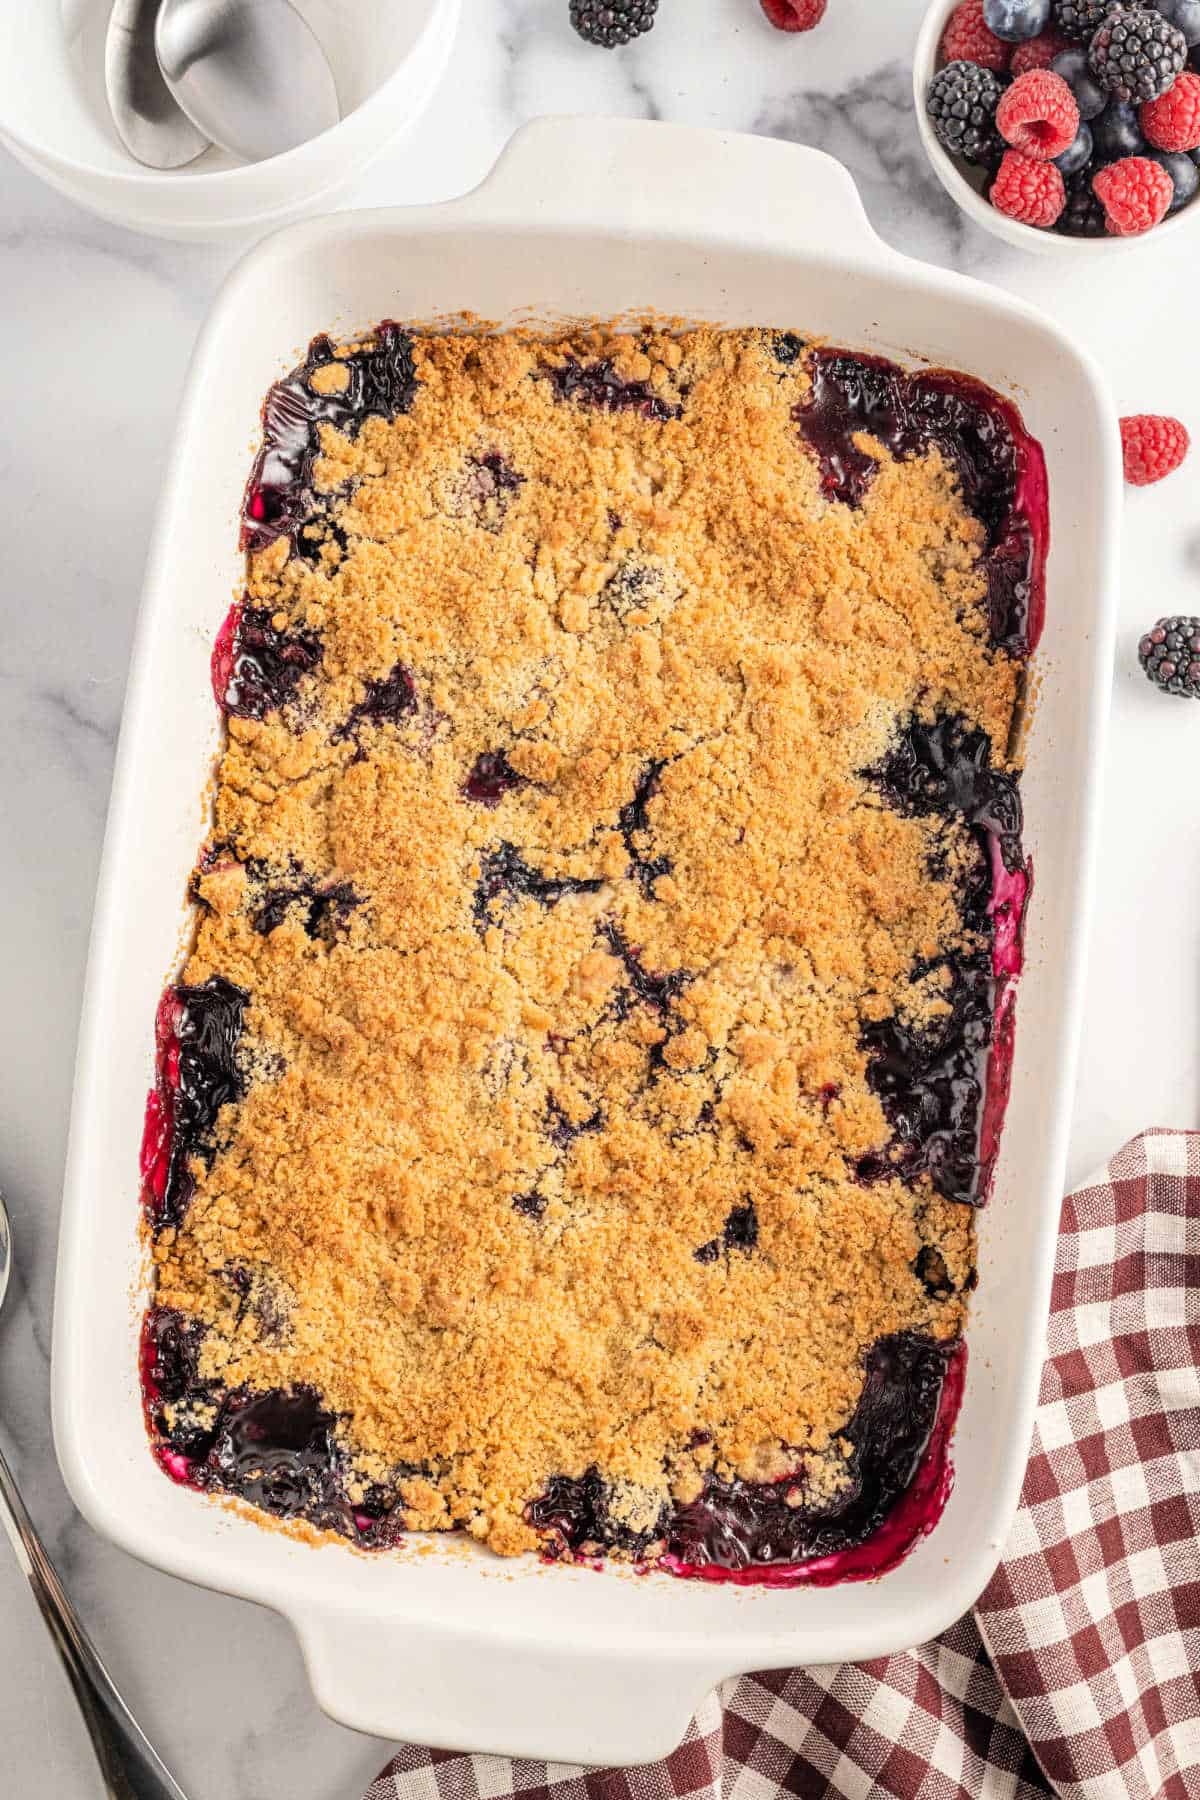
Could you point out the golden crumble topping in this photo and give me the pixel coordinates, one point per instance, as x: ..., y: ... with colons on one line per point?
x: 562, y: 896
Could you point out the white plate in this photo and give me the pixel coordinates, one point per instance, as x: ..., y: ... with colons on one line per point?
x: 448, y: 1645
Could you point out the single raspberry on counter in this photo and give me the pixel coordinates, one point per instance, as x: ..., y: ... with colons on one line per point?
x: 1028, y: 190
x: 1039, y: 115
x: 794, y: 15
x: 1152, y: 445
x: 967, y: 39
x: 1135, y: 194
x: 1038, y: 52
x: 1172, y: 122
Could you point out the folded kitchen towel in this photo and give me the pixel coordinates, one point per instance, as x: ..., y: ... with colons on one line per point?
x: 1079, y: 1672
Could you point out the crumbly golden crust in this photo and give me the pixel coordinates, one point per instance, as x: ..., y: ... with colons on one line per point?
x: 663, y: 607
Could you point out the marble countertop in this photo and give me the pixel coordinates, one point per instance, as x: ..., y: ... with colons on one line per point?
x: 95, y: 330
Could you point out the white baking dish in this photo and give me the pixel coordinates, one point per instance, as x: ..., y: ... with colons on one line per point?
x: 445, y: 1644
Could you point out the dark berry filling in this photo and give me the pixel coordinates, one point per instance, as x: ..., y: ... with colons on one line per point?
x: 1000, y: 468
x: 276, y: 1450
x: 196, y: 1073
x: 739, y: 1232
x: 255, y: 667
x: 380, y: 383
x: 634, y: 822
x: 562, y: 1131
x: 787, y: 348
x: 491, y: 778
x: 387, y: 701
x: 897, y: 1484
x: 937, y: 1082
x: 598, y: 384
x: 658, y: 991
x: 323, y: 909
x: 505, y: 877
x: 491, y: 483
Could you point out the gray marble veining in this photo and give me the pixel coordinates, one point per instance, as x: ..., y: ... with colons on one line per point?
x: 96, y: 325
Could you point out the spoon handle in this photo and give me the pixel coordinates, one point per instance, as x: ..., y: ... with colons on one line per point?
x: 128, y: 1763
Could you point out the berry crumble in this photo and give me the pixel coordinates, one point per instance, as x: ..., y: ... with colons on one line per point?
x: 569, y: 1122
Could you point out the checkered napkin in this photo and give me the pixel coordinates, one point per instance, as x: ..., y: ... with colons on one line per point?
x: 1079, y: 1672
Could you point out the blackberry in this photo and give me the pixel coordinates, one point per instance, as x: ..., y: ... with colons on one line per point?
x: 1170, y: 655
x: 1080, y: 19
x: 1136, y: 54
x: 612, y: 22
x: 1083, y: 215
x: 961, y: 101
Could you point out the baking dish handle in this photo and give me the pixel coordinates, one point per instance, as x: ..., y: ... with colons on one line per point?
x: 438, y: 1684
x: 666, y: 179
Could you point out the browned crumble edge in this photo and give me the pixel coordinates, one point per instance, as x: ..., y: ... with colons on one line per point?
x: 417, y: 1068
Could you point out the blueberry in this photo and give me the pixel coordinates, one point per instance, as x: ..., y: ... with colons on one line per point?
x: 1184, y: 15
x: 1183, y: 172
x: 1090, y: 97
x: 1078, y: 154
x: 1118, y: 132
x: 1016, y: 20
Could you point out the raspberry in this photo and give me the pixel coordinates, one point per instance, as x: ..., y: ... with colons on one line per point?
x: 794, y: 15
x: 1135, y: 194
x: 967, y: 39
x: 1030, y: 191
x: 1038, y: 52
x: 1039, y: 115
x: 1172, y: 122
x: 1152, y: 445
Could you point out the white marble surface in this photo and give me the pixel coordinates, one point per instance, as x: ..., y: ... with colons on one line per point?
x: 95, y: 330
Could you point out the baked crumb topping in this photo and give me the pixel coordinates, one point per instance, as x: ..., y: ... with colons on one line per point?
x: 549, y: 855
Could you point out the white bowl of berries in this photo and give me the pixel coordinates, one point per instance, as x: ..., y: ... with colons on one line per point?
x: 1069, y: 125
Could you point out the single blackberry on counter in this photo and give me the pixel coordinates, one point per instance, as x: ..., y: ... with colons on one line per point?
x: 1136, y: 54
x: 1170, y: 655
x: 961, y: 101
x: 1083, y: 215
x: 1079, y: 19
x: 612, y: 22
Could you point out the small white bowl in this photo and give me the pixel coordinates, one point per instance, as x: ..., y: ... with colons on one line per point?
x: 387, y: 57
x: 957, y: 179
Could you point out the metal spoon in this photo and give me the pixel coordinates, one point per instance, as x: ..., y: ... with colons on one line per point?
x: 250, y: 73
x: 149, y: 120
x: 129, y: 1766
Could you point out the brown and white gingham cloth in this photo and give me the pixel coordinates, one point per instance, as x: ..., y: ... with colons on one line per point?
x: 1079, y: 1672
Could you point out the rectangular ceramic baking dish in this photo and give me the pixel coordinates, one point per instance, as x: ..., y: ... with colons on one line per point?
x: 443, y: 1643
